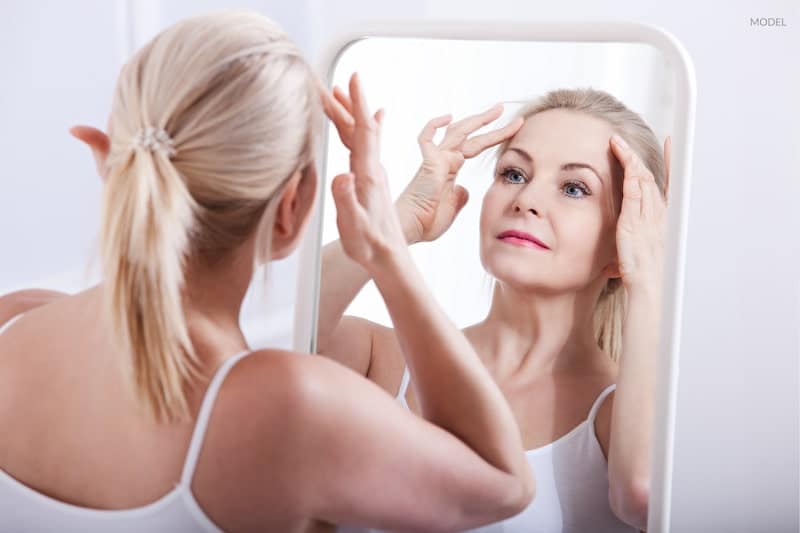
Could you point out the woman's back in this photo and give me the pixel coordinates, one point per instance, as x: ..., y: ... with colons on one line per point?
x: 289, y: 446
x: 75, y: 435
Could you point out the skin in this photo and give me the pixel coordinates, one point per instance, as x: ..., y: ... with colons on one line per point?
x: 537, y: 340
x: 291, y: 441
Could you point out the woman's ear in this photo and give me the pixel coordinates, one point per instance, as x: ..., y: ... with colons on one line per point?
x: 98, y: 142
x: 294, y: 210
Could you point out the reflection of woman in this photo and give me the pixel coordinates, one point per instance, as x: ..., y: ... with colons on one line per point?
x: 571, y: 228
x: 121, y: 417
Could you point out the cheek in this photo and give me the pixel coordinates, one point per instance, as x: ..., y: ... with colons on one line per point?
x: 488, y: 208
x: 581, y: 236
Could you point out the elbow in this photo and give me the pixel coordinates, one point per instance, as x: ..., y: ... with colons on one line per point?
x: 521, y: 494
x: 527, y: 492
x: 501, y: 503
x: 630, y: 502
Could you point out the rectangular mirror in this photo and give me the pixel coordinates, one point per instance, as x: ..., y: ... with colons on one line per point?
x: 417, y: 72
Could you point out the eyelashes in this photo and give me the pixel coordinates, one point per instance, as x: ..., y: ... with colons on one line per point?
x: 510, y: 175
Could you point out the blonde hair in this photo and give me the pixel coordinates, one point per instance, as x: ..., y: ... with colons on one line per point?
x: 609, y: 310
x: 208, y: 122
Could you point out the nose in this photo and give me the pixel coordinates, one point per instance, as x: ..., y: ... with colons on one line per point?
x: 526, y: 202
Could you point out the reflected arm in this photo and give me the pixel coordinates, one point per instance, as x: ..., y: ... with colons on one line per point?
x: 629, y: 458
x: 341, y: 281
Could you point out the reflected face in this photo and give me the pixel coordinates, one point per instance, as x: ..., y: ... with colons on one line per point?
x: 548, y: 220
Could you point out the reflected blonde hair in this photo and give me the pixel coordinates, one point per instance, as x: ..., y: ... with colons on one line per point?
x: 610, y: 307
x: 238, y: 107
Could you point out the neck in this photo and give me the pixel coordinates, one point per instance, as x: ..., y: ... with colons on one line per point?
x: 213, y: 297
x: 534, y: 334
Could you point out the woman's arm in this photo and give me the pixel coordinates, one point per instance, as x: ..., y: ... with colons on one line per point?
x: 454, y: 389
x: 632, y: 415
x: 341, y: 279
x: 376, y: 464
x: 640, y: 247
x: 18, y: 302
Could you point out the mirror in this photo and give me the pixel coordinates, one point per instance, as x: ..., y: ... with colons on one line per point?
x: 417, y: 73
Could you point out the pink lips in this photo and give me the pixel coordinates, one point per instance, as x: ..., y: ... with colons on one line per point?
x: 520, y: 238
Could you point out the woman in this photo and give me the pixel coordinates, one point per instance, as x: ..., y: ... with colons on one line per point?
x: 142, y: 408
x: 571, y: 228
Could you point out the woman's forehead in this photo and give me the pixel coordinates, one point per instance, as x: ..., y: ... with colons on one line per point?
x: 558, y: 135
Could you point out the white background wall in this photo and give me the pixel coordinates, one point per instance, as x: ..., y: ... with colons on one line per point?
x: 736, y: 456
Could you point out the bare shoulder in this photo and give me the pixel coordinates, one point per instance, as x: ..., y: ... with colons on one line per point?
x: 276, y: 412
x: 274, y: 387
x: 18, y: 302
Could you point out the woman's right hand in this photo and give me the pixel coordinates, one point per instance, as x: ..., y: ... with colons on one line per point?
x: 369, y: 229
x: 431, y: 201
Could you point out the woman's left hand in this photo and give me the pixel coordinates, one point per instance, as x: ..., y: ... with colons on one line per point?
x: 641, y: 226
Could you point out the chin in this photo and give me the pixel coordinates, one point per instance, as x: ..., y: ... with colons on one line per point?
x: 518, y: 274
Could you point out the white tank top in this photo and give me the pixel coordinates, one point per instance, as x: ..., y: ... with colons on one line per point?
x: 24, y: 510
x: 571, y: 485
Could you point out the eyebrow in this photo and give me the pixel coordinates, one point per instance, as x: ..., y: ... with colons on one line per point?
x: 567, y: 166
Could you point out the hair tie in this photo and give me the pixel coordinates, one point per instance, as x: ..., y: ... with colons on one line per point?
x: 154, y: 140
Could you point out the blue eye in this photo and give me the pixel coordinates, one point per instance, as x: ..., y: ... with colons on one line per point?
x: 510, y: 174
x: 576, y: 185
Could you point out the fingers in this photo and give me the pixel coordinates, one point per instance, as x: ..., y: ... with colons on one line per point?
x: 479, y: 143
x: 343, y: 99
x: 622, y: 152
x: 638, y: 181
x: 454, y: 160
x: 379, y: 114
x: 459, y: 131
x: 365, y: 145
x: 348, y: 208
x: 360, y: 109
x: 462, y: 197
x: 629, y: 159
x: 632, y: 196
x: 425, y: 138
x: 340, y: 116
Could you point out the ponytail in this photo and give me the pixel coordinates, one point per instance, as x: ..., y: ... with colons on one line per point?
x: 147, y: 217
x: 237, y: 112
x: 608, y: 318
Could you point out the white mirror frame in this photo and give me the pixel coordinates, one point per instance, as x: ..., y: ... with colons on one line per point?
x: 307, y: 303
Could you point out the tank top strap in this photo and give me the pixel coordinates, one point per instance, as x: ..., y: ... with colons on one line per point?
x: 401, y: 393
x: 200, y: 425
x: 599, y: 401
x: 9, y: 322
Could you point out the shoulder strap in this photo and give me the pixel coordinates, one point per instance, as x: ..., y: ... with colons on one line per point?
x: 599, y: 400
x: 201, y: 423
x: 10, y: 321
x: 401, y: 393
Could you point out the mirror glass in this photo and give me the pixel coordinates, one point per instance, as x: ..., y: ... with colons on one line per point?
x: 417, y: 79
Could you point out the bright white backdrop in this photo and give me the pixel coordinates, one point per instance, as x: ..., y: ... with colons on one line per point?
x: 736, y: 451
